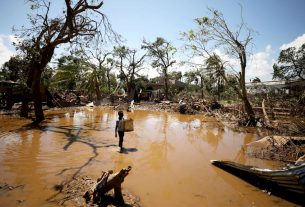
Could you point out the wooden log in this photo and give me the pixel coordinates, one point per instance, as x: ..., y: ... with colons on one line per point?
x: 265, y: 113
x: 105, y: 183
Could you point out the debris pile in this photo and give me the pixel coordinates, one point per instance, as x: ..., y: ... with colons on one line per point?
x: 282, y: 148
x: 184, y: 106
x: 67, y: 99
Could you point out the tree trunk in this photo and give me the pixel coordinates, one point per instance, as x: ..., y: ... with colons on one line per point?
x: 266, y: 118
x: 118, y: 196
x: 201, y: 86
x: 218, y: 89
x: 108, y: 81
x: 166, y: 83
x: 34, y: 79
x: 97, y: 91
x: 249, y: 110
x: 37, y: 95
x: 105, y: 183
x: 131, y: 91
x: 96, y: 85
x: 243, y: 96
x: 248, y: 106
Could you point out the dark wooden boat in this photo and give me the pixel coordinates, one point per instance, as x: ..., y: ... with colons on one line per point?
x: 290, y: 179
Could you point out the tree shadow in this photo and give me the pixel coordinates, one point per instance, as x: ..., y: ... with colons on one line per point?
x: 75, y: 137
x: 73, y: 134
x: 109, y: 200
x: 30, y: 126
x: 72, y: 138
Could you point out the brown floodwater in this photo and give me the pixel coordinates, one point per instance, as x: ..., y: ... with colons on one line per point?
x: 170, y: 155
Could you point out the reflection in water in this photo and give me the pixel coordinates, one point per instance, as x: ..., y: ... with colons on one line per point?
x: 156, y: 156
x: 170, y: 155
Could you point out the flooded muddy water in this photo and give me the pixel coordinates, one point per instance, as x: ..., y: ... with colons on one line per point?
x: 170, y: 155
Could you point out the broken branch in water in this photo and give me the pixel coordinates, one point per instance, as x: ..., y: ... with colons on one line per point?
x: 7, y: 187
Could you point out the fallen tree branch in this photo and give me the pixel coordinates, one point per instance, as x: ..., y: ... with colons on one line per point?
x: 266, y: 118
x: 105, y: 183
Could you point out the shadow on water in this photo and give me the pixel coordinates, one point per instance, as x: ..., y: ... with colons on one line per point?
x: 128, y: 150
x: 76, y: 138
x: 73, y: 134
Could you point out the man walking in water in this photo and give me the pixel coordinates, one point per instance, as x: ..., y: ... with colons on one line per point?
x: 119, y: 129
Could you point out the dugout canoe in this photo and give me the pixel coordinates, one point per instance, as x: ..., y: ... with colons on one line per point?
x: 290, y: 179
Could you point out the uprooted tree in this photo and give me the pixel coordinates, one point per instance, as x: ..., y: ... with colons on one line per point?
x: 213, y: 32
x: 76, y: 24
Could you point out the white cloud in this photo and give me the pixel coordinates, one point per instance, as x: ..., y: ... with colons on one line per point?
x: 233, y: 62
x: 260, y: 65
x: 5, y: 51
x: 153, y: 72
x: 180, y: 65
x: 295, y: 43
x: 149, y: 71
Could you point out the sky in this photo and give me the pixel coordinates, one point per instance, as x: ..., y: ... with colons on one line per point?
x: 279, y: 24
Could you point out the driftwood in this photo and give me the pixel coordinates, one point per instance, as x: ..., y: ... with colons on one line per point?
x: 7, y: 187
x: 267, y: 120
x: 105, y: 183
x: 283, y: 148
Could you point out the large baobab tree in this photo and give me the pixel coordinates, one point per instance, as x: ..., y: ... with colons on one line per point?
x: 79, y: 22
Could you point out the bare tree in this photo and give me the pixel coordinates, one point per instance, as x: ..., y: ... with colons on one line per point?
x: 130, y: 64
x: 79, y: 22
x: 214, y: 33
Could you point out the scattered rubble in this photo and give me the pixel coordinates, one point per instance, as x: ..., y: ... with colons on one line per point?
x: 282, y: 148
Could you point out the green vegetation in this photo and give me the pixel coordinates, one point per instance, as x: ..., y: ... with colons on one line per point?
x: 161, y: 52
x: 291, y: 64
